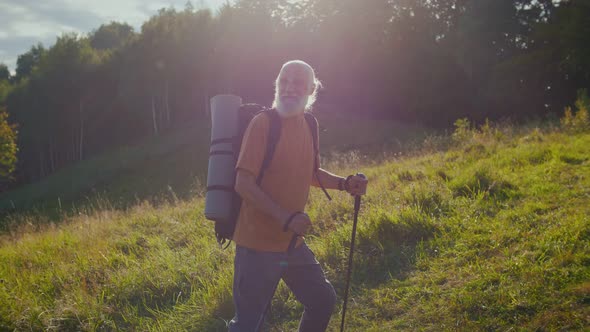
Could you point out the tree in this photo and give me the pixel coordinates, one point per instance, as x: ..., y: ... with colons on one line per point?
x: 27, y: 61
x: 567, y: 34
x: 554, y: 65
x: 8, y: 148
x: 64, y: 74
x: 111, y: 36
x: 52, y: 105
x: 5, y: 88
x: 4, y: 73
x: 428, y: 61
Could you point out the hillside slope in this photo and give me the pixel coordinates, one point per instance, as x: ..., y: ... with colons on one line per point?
x: 490, y: 234
x: 174, y: 165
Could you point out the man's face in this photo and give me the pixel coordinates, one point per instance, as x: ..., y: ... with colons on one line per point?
x: 294, y: 89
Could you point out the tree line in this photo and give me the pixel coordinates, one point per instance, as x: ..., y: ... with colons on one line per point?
x: 426, y: 61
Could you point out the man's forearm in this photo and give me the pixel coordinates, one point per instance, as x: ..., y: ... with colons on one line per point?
x: 328, y: 180
x: 251, y: 192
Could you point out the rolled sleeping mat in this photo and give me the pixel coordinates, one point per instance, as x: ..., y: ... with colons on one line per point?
x: 222, y: 157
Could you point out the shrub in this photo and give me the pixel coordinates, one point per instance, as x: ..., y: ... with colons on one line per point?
x: 579, y: 120
x: 466, y: 133
x: 490, y: 130
x: 536, y: 135
x: 463, y: 130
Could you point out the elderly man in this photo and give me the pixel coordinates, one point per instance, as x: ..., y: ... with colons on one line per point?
x: 272, y: 212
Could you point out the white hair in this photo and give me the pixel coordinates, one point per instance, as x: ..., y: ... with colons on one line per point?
x: 312, y: 80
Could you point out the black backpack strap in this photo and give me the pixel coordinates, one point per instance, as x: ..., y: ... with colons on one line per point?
x: 312, y: 122
x: 274, y: 133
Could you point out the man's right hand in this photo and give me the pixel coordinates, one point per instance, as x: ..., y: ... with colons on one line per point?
x: 301, y: 224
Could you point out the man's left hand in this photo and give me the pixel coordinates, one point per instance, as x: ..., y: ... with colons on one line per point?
x: 357, y: 185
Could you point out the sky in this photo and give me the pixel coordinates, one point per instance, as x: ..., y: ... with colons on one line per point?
x: 24, y: 23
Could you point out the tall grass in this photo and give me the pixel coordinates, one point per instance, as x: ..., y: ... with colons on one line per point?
x: 485, y: 229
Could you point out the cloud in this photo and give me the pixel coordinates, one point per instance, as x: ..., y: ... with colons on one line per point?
x: 27, y: 22
x: 24, y: 23
x: 39, y: 18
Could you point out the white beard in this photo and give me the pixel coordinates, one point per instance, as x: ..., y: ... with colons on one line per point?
x: 291, y: 107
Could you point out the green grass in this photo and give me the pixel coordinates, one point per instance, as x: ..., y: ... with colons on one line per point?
x: 487, y: 233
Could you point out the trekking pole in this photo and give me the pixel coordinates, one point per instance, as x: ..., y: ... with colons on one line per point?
x: 357, y: 206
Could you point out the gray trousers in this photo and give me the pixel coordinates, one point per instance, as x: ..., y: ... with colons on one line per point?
x: 256, y: 276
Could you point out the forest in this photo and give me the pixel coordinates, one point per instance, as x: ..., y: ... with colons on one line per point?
x: 425, y: 62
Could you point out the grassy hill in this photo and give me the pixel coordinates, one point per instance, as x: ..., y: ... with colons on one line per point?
x: 174, y: 166
x: 484, y: 230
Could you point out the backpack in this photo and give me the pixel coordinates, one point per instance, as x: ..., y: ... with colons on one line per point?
x: 224, y: 230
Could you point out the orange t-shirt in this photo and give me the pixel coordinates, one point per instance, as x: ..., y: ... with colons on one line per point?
x: 286, y: 180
